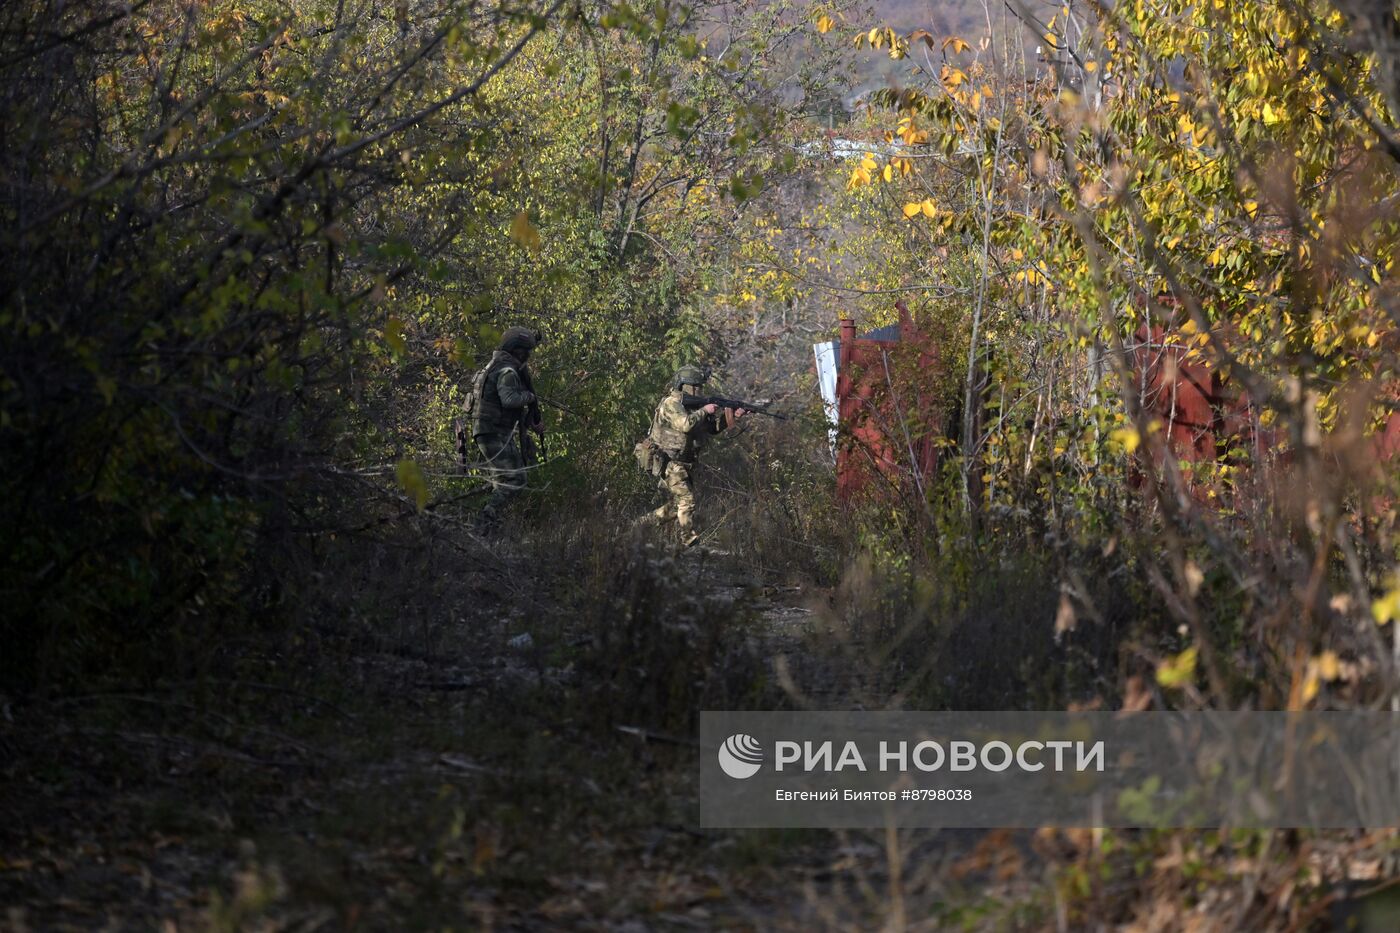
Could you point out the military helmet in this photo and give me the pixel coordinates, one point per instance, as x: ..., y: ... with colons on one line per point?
x: 691, y: 375
x: 519, y: 338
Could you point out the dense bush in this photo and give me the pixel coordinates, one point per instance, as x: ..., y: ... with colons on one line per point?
x: 252, y: 249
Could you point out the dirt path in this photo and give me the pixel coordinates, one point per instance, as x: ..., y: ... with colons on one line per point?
x: 473, y: 767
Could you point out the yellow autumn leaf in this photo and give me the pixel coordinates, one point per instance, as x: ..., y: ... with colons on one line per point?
x: 1194, y: 577
x: 1311, y: 684
x: 1387, y: 608
x: 929, y: 208
x: 824, y: 24
x: 524, y: 232
x: 1178, y: 671
x: 888, y: 173
x: 912, y: 209
x: 1126, y: 437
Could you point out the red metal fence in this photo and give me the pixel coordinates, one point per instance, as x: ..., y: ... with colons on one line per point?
x: 889, y: 415
x: 891, y: 422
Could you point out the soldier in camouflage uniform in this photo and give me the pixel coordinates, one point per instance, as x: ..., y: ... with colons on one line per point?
x: 504, y: 399
x: 680, y: 434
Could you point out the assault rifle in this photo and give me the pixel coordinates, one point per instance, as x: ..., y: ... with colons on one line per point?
x: 553, y: 404
x: 693, y: 402
x: 532, y: 450
x: 461, y: 433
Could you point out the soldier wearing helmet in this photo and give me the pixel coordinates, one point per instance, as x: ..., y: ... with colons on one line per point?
x: 679, y: 434
x: 503, y: 400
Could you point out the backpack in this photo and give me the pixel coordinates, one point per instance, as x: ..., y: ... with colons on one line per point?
x: 462, y: 427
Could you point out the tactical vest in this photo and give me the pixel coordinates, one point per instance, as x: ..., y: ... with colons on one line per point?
x: 488, y: 416
x: 678, y: 445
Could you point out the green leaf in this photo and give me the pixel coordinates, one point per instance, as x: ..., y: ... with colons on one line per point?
x: 411, y: 479
x: 393, y: 336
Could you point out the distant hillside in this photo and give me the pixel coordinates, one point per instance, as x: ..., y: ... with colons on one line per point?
x: 964, y: 18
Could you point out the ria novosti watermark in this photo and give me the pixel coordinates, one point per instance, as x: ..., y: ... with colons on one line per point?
x: 741, y: 756
x: 1050, y: 769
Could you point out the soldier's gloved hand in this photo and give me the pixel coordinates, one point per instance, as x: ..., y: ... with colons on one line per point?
x: 710, y: 409
x: 738, y: 413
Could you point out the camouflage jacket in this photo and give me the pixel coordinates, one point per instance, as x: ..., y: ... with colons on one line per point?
x: 678, y: 432
x: 502, y: 394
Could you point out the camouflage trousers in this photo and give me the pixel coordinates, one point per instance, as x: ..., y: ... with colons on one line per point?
x: 680, y: 505
x: 505, y: 469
